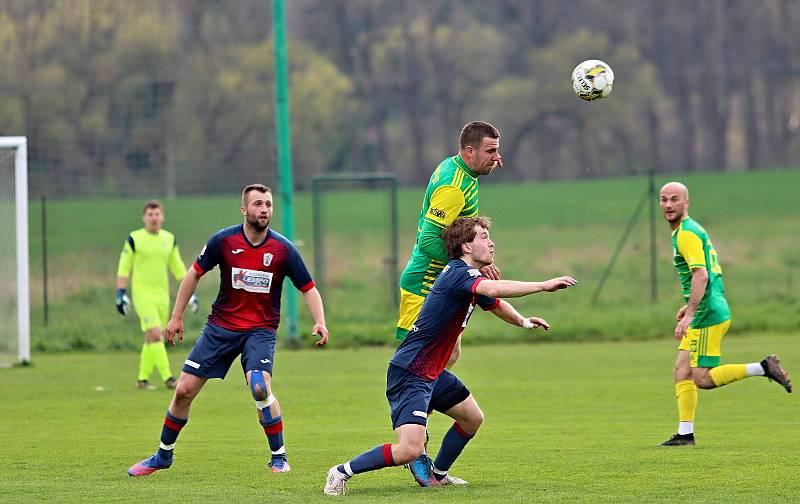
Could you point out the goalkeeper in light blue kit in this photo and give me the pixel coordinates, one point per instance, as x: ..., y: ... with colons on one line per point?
x: 151, y: 253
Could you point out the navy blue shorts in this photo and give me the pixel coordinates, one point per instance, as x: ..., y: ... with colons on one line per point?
x: 409, y: 396
x: 447, y: 392
x: 217, y: 348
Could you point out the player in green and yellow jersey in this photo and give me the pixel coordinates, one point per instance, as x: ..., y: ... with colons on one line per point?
x: 150, y: 253
x: 704, y: 319
x: 452, y: 192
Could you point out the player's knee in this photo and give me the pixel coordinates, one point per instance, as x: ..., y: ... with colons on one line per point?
x: 184, y: 393
x: 408, y: 451
x: 258, y: 386
x: 474, y: 421
x: 682, y: 372
x: 153, y: 335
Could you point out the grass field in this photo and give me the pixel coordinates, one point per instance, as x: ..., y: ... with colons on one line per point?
x: 564, y: 423
x: 541, y: 230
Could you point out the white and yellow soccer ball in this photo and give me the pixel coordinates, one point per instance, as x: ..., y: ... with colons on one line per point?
x: 592, y: 80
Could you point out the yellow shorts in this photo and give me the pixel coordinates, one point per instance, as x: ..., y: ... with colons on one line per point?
x: 410, y: 306
x: 705, y: 344
x: 152, y: 315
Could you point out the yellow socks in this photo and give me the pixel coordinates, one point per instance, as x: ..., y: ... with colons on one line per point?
x: 686, y: 392
x: 722, y: 375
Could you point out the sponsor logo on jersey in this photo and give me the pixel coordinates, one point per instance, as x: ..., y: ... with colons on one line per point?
x: 438, y: 213
x: 251, y: 280
x: 473, y: 272
x: 237, y: 251
x: 267, y: 259
x: 264, y: 361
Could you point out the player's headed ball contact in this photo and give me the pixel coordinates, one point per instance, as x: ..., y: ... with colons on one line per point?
x: 592, y: 80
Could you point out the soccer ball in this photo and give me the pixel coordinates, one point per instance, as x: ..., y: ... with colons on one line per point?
x: 592, y: 80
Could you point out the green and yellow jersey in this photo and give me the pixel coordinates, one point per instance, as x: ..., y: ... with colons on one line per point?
x: 692, y: 248
x: 151, y: 256
x: 452, y: 192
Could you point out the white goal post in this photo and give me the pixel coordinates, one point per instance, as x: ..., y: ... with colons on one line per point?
x: 20, y: 146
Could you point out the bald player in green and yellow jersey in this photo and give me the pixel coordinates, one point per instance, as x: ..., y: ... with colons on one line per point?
x: 452, y: 192
x: 705, y: 318
x: 150, y: 253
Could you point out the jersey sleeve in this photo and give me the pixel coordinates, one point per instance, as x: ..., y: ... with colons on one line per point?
x: 209, y: 256
x: 446, y: 203
x: 431, y: 243
x: 176, y: 265
x: 690, y: 246
x: 486, y: 302
x: 126, y: 258
x: 298, y: 272
x: 467, y: 283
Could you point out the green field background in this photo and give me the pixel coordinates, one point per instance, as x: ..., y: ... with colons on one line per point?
x: 564, y: 423
x: 540, y: 230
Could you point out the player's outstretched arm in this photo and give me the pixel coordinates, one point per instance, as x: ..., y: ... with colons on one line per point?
x: 314, y: 302
x: 185, y: 291
x: 506, y: 312
x: 514, y: 288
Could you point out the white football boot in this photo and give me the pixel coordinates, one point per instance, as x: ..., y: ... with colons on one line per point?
x: 336, y: 483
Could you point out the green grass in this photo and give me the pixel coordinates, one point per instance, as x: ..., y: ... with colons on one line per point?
x: 564, y: 423
x: 541, y: 230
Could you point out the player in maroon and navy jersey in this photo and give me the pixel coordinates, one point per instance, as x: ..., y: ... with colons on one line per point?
x: 253, y: 262
x: 419, y: 362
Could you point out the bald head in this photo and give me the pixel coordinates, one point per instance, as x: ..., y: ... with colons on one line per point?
x: 674, y: 201
x: 675, y: 188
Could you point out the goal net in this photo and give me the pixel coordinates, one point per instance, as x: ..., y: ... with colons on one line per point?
x: 14, y: 297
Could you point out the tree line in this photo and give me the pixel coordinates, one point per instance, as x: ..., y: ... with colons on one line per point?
x: 176, y: 96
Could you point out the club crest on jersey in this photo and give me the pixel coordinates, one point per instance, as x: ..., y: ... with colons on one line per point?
x: 267, y: 259
x: 251, y: 280
x: 473, y: 272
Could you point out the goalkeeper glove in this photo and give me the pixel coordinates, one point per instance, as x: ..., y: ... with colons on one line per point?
x: 194, y: 304
x: 123, y: 303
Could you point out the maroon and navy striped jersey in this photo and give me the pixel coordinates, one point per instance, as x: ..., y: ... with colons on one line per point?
x: 443, y: 317
x: 251, y: 277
